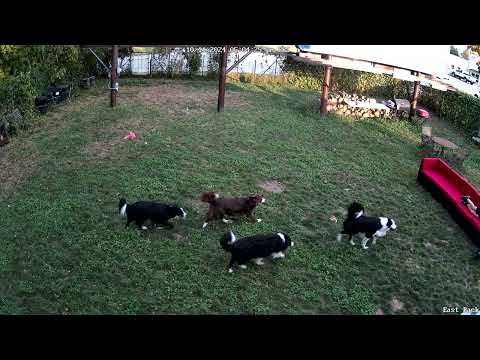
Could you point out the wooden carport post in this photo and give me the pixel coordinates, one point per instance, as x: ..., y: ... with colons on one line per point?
x: 113, y: 77
x: 222, y: 77
x: 413, y: 102
x: 327, y: 69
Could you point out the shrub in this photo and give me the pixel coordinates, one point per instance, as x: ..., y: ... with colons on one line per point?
x: 26, y: 71
x: 45, y: 63
x: 193, y: 61
x: 17, y: 92
x: 461, y: 109
x: 213, y: 62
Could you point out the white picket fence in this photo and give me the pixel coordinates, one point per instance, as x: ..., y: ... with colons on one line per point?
x: 175, y: 63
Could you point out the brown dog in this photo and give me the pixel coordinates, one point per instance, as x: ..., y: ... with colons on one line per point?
x: 221, y: 207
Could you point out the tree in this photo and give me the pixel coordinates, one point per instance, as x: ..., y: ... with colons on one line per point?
x: 194, y: 59
x: 474, y: 48
x: 466, y: 54
x: 453, y: 50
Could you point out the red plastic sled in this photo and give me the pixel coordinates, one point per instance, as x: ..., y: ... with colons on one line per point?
x: 423, y: 113
x: 448, y: 186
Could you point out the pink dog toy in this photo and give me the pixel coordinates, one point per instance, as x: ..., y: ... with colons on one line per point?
x: 131, y: 135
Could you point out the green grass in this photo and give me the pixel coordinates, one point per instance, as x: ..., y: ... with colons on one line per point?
x: 65, y: 250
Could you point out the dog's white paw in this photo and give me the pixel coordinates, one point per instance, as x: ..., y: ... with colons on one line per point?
x: 144, y: 227
x: 204, y: 225
x: 227, y: 221
x: 230, y: 270
x: 259, y: 220
x: 352, y: 242
x: 364, y: 243
x: 339, y: 237
x: 243, y: 266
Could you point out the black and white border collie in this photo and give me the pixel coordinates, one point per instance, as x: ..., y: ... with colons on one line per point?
x: 254, y: 248
x: 372, y: 227
x: 156, y: 212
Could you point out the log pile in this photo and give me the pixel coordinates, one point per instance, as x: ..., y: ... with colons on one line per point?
x: 356, y: 105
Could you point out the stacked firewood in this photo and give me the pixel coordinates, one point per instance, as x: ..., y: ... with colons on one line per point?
x: 337, y: 103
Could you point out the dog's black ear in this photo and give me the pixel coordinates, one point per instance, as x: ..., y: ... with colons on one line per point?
x: 389, y: 223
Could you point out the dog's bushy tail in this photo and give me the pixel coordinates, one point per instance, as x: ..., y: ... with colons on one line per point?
x: 209, y: 197
x: 227, y: 240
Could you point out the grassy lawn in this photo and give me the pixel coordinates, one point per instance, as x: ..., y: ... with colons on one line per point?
x: 63, y: 248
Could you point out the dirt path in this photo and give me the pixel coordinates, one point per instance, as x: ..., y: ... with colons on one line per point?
x: 21, y: 157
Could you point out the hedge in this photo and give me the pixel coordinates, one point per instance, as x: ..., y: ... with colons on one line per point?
x: 26, y: 71
x: 308, y: 77
x: 17, y: 92
x: 461, y: 109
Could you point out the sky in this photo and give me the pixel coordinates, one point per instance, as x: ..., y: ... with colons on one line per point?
x: 460, y: 48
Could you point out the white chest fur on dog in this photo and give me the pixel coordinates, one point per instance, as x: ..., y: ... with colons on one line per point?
x: 123, y: 211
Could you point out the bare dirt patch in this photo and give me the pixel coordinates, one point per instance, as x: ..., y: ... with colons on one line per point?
x: 59, y: 117
x: 19, y: 159
x: 179, y: 99
x: 103, y: 149
x: 77, y: 104
x: 273, y: 186
x: 15, y: 168
x: 175, y: 99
